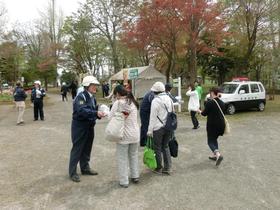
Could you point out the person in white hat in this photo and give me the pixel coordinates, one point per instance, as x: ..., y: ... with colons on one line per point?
x: 85, y: 114
x: 161, y: 105
x: 37, y: 95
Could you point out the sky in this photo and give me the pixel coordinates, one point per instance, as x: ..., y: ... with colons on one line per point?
x: 27, y: 10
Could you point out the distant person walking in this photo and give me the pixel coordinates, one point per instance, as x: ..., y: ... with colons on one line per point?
x: 193, y: 105
x: 73, y: 86
x: 215, y: 124
x: 127, y: 147
x: 19, y: 98
x: 199, y: 90
x: 161, y: 105
x: 37, y: 95
x: 64, y: 90
x: 168, y: 88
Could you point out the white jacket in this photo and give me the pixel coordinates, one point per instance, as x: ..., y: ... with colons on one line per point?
x: 131, y: 127
x: 193, y: 100
x: 158, y: 110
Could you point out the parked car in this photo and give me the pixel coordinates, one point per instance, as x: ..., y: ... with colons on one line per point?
x: 242, y: 95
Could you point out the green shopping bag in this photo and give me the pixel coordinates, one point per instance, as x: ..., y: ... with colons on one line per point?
x: 149, y: 157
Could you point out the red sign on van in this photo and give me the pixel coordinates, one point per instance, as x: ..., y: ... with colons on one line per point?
x: 240, y: 79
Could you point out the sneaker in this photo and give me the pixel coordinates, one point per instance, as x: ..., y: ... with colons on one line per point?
x: 123, y: 185
x: 166, y: 172
x: 196, y: 127
x: 135, y: 180
x: 157, y: 171
x: 212, y: 158
x: 89, y: 172
x: 219, y: 160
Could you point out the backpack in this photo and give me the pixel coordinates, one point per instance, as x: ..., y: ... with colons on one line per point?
x: 171, y: 120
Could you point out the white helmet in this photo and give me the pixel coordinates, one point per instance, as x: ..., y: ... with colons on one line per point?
x: 37, y: 82
x: 63, y: 83
x: 158, y: 87
x: 90, y: 80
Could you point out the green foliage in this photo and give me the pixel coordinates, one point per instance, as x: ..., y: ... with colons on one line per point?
x: 68, y: 76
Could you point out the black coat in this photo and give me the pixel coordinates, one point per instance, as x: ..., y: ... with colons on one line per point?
x: 19, y: 94
x: 215, y: 120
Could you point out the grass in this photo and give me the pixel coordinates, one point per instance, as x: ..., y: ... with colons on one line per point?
x: 5, y: 97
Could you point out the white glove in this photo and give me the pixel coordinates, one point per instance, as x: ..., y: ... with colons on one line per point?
x: 38, y: 92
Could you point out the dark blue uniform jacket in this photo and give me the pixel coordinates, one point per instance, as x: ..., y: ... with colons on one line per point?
x: 85, y: 108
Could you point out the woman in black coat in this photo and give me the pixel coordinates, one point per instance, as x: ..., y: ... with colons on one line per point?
x: 215, y: 123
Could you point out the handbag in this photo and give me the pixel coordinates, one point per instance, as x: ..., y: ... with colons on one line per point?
x: 227, y: 126
x: 115, y: 128
x: 149, y: 157
x: 173, y: 146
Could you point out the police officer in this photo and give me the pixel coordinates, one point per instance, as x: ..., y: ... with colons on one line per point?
x: 37, y: 95
x: 85, y: 113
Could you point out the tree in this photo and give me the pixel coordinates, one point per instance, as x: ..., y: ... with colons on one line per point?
x: 107, y: 18
x: 205, y: 30
x: 11, y: 57
x: 50, y: 27
x: 87, y: 50
x: 158, y: 28
x: 247, y: 23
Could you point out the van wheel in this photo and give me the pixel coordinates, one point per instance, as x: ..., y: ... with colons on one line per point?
x: 231, y: 109
x: 261, y: 106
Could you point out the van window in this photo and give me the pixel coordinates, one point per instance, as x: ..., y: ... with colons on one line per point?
x: 254, y: 88
x: 261, y: 87
x: 245, y: 88
x: 229, y: 88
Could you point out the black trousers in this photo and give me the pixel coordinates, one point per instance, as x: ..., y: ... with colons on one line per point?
x: 38, y: 109
x: 161, y: 139
x: 64, y: 96
x: 194, y: 119
x: 74, y: 93
x: 145, y: 119
x: 82, y: 139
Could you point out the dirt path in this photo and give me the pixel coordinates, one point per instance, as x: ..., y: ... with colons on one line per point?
x: 34, y: 164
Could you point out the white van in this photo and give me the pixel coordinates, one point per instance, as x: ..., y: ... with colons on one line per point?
x: 243, y: 95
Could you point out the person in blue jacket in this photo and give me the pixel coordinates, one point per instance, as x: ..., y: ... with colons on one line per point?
x: 37, y: 95
x: 19, y: 98
x: 85, y: 113
x: 145, y: 110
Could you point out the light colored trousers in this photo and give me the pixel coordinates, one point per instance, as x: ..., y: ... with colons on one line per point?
x: 20, y: 106
x: 127, y: 155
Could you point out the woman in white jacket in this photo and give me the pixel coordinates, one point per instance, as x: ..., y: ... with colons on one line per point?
x: 127, y: 148
x: 193, y: 105
x: 161, y: 105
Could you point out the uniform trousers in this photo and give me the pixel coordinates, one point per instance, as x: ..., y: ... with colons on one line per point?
x: 82, y: 138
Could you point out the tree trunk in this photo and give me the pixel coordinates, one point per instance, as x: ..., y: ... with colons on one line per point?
x: 115, y: 58
x: 192, y: 64
x: 46, y: 83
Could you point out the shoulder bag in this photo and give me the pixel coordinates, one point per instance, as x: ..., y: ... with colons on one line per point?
x: 115, y: 128
x: 227, y: 127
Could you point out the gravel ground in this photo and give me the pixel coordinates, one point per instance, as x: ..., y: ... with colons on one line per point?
x: 35, y: 163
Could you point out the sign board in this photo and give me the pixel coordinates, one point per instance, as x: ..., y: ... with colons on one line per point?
x: 22, y: 79
x: 176, y: 83
x: 133, y: 73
